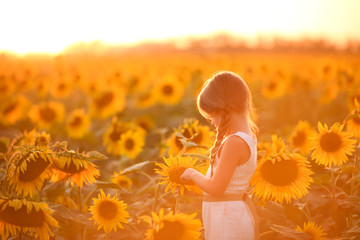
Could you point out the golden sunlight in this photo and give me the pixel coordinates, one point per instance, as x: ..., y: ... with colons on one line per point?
x: 47, y: 26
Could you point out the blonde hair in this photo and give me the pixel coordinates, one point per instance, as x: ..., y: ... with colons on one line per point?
x: 225, y: 92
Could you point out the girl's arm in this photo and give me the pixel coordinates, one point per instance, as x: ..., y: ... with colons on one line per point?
x: 235, y: 151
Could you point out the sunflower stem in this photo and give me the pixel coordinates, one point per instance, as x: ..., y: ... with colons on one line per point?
x: 156, y: 198
x: 333, y: 179
x: 177, y: 201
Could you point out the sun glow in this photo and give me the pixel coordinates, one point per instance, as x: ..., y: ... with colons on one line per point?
x: 49, y: 26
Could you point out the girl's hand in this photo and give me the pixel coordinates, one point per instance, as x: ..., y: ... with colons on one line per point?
x: 186, y: 177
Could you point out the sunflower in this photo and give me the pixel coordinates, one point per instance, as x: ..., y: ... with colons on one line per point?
x: 108, y: 213
x: 169, y: 90
x: 13, y: 109
x: 31, y: 170
x: 107, y: 102
x: 353, y: 121
x: 21, y: 215
x: 77, y: 124
x: 4, y: 145
x: 274, y: 87
x: 121, y: 180
x: 62, y: 87
x: 329, y: 93
x: 281, y: 175
x: 7, y: 87
x: 174, y: 168
x: 75, y: 166
x: 311, y: 228
x: 42, y: 140
x: 300, y: 137
x: 131, y: 143
x: 331, y: 146
x: 146, y: 98
x: 200, y: 135
x: 145, y: 122
x: 47, y: 113
x: 119, y: 140
x: 178, y: 226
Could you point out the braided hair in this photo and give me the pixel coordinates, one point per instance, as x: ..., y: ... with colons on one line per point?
x: 220, y: 95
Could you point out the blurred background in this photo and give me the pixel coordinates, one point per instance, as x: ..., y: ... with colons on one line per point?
x: 52, y: 26
x: 95, y: 95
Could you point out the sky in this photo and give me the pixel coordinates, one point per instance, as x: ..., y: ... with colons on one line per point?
x: 49, y: 26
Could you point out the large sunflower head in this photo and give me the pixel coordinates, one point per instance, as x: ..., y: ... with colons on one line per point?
x: 178, y: 226
x: 75, y: 167
x: 47, y: 113
x: 315, y: 231
x: 332, y: 145
x: 300, y: 137
x: 108, y: 213
x: 172, y: 170
x: 281, y: 175
x: 198, y: 134
x: 21, y: 215
x: 77, y: 124
x: 30, y: 170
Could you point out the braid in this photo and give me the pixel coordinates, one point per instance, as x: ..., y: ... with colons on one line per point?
x: 220, y: 134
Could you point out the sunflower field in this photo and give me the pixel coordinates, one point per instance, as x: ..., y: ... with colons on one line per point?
x: 93, y: 144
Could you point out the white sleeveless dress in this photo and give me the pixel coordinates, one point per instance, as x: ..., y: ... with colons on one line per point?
x: 231, y: 220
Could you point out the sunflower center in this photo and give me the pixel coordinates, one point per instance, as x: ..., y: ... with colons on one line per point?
x: 280, y: 173
x: 47, y: 114
x: 171, y: 230
x: 61, y: 87
x: 115, y: 134
x: 76, y: 121
x: 330, y: 142
x: 299, y: 138
x: 272, y: 85
x: 198, y: 138
x: 3, y: 147
x: 175, y: 174
x: 186, y: 134
x: 104, y: 99
x: 356, y: 120
x: 42, y: 141
x: 168, y: 90
x: 9, y: 108
x: 129, y: 144
x: 22, y: 217
x: 72, y: 169
x: 34, y: 169
x: 107, y: 209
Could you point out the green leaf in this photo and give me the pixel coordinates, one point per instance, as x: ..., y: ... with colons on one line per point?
x: 103, y: 185
x: 94, y: 155
x: 135, y: 167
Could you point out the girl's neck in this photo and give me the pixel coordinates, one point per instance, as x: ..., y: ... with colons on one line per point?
x: 239, y: 123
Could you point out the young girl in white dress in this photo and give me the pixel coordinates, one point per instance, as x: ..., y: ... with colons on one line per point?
x: 227, y: 210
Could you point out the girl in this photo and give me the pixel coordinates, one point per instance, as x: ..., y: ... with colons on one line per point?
x: 228, y: 212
